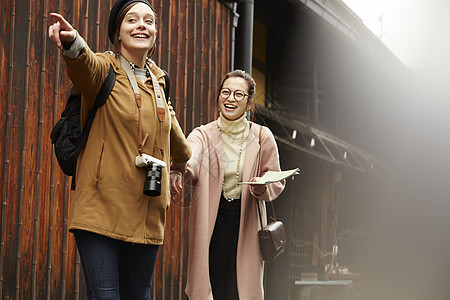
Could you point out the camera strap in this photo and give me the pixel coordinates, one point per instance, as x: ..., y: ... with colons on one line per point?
x: 137, y: 96
x: 159, y: 106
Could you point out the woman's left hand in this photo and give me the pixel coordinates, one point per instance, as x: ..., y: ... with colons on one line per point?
x: 176, y: 182
x: 257, y: 189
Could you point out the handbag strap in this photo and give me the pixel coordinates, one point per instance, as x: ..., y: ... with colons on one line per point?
x: 259, y: 169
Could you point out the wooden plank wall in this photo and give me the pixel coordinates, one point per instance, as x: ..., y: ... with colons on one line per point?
x: 38, y: 258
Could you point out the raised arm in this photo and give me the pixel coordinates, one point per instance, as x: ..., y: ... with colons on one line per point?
x: 196, y: 140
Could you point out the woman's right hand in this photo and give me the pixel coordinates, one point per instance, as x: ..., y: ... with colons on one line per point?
x: 176, y: 179
x: 61, y: 31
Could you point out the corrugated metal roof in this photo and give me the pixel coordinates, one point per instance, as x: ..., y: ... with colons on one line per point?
x: 307, y: 139
x: 340, y: 16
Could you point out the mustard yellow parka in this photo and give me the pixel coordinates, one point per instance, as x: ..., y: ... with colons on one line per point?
x: 109, y: 198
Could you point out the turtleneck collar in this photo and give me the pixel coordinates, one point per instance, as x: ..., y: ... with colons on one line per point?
x: 234, y: 126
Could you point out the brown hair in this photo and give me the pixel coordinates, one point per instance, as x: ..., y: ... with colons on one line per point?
x: 116, y: 43
x: 251, y: 86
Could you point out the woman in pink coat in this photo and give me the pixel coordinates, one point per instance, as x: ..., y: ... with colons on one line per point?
x: 224, y: 259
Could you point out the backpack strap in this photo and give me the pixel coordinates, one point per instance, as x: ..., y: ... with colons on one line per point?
x: 100, y: 99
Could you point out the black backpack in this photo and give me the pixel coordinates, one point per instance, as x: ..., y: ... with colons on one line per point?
x: 67, y: 136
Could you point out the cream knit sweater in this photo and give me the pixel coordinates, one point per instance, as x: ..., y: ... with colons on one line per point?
x: 233, y: 132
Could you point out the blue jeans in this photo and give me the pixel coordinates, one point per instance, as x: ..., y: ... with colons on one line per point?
x: 114, y: 268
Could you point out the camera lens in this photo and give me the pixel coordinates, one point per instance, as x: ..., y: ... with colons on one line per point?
x: 152, y: 184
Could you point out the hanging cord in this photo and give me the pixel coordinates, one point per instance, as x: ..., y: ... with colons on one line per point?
x: 137, y: 96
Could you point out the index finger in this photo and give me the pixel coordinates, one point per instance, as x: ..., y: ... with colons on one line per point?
x: 62, y: 21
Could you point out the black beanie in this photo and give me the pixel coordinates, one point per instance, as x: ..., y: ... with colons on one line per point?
x: 116, y: 11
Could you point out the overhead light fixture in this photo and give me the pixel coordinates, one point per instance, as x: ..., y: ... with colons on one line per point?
x: 335, y: 250
x: 312, y: 143
x: 345, y: 154
x: 294, y: 134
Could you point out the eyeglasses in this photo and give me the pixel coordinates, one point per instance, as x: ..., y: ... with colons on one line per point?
x: 238, y: 95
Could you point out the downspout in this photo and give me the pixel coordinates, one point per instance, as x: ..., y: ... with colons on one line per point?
x: 244, y: 36
x: 233, y: 35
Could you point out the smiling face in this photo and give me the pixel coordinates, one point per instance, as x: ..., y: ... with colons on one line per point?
x: 229, y: 107
x: 137, y: 32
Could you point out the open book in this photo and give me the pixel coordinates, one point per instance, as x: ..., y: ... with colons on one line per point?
x: 274, y: 176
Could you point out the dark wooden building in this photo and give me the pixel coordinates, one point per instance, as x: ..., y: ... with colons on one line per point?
x: 325, y: 87
x: 38, y: 258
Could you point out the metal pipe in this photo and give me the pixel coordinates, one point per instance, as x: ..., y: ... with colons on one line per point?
x: 233, y: 35
x: 201, y: 96
x: 194, y: 69
x: 244, y: 36
x: 210, y: 46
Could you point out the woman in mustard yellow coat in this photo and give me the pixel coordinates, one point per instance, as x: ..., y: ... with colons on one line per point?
x: 117, y: 228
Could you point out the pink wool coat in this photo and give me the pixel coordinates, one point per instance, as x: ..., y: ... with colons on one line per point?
x: 207, y: 170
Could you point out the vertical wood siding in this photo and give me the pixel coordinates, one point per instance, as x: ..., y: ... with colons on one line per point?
x: 38, y: 257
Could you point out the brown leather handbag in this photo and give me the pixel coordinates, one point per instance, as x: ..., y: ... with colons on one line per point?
x: 272, y: 237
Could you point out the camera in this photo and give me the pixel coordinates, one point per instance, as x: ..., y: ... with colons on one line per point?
x: 153, y: 166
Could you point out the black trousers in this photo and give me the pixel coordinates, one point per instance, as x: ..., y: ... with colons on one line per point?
x: 223, y: 250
